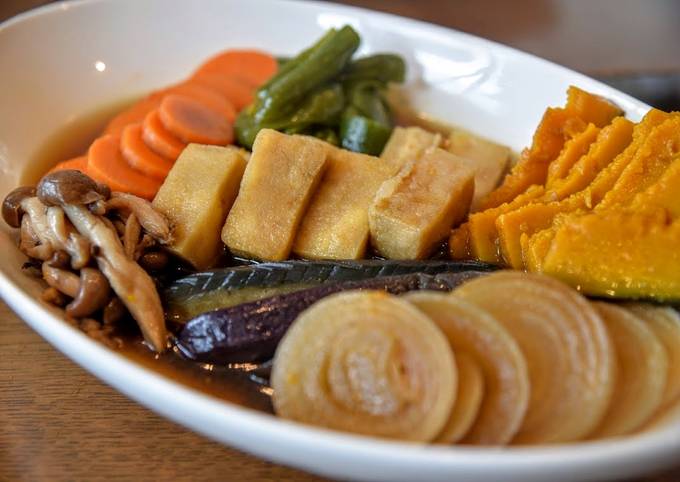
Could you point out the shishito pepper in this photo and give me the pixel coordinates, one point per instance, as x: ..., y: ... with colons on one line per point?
x: 361, y: 134
x: 321, y: 92
x: 380, y: 67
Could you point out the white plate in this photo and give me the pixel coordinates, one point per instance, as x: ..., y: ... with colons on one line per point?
x: 68, y: 58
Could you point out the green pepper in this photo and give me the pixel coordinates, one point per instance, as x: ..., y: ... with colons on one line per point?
x: 366, y: 97
x: 360, y: 134
x: 380, y: 67
x: 322, y: 107
x: 314, y: 67
x: 245, y: 129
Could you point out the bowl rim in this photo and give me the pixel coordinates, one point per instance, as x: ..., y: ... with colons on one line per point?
x: 147, y: 387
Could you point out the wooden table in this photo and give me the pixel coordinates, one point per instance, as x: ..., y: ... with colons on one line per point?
x: 59, y: 423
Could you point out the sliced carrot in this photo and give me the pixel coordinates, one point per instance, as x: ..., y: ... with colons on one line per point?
x: 78, y: 163
x: 105, y: 163
x: 252, y: 65
x: 205, y: 95
x: 193, y: 122
x: 159, y: 140
x: 139, y: 156
x: 237, y: 90
x: 135, y: 113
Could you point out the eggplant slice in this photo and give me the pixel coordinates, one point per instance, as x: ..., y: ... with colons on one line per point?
x: 250, y: 332
x: 198, y: 293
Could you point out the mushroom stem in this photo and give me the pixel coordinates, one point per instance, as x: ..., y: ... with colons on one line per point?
x: 130, y: 282
x: 30, y: 244
x: 68, y: 239
x: 133, y: 231
x: 151, y: 220
x: 93, y: 294
x: 62, y: 280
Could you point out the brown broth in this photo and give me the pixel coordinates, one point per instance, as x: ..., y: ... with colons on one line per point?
x: 227, y: 383
x: 70, y: 140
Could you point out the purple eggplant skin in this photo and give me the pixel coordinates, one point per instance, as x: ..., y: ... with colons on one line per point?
x: 250, y: 332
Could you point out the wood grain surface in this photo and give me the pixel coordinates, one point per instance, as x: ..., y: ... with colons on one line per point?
x: 58, y: 423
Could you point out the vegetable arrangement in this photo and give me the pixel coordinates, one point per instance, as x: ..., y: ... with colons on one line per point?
x: 324, y: 93
x: 592, y: 190
x: 475, y: 367
x: 405, y: 347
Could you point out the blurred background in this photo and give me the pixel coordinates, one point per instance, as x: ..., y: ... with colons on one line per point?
x: 630, y: 44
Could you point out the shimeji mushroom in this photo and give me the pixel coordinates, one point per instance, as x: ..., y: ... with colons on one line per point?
x: 71, y: 191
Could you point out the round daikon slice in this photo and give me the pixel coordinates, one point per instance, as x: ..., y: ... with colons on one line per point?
x: 566, y: 346
x: 642, y: 368
x: 366, y: 362
x: 665, y: 323
x: 474, y: 332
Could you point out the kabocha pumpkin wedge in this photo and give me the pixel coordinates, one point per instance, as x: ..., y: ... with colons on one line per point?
x: 556, y: 127
x: 573, y: 150
x: 591, y: 107
x: 642, y: 368
x: 537, y: 216
x: 534, y: 217
x: 611, y: 141
x: 654, y: 157
x: 665, y: 323
x: 369, y: 363
x: 280, y: 178
x: 414, y: 211
x: 488, y: 160
x: 566, y: 347
x: 470, y: 329
x: 618, y: 254
x: 196, y: 197
x: 483, y: 236
x: 335, y: 225
x: 663, y: 194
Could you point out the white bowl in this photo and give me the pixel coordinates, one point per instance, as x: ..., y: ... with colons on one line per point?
x: 63, y: 60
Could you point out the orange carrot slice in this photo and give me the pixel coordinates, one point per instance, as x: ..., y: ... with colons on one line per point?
x: 193, y: 122
x: 207, y: 96
x: 139, y: 156
x: 159, y: 140
x: 78, y: 163
x: 135, y: 113
x: 238, y: 91
x: 105, y: 163
x: 252, y: 65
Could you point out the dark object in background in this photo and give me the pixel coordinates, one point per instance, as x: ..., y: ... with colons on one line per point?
x: 660, y: 90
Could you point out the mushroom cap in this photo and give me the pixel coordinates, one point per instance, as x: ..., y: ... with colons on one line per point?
x: 70, y: 186
x: 11, y: 206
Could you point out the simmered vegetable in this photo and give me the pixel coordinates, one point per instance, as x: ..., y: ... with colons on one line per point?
x: 366, y: 363
x: 322, y: 93
x: 251, y: 331
x: 222, y: 288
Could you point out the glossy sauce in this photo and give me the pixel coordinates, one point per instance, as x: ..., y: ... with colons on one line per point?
x: 70, y: 140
